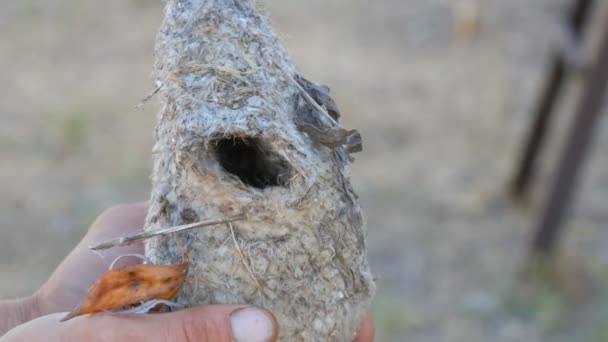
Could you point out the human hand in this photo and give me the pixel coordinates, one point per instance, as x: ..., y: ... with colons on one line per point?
x: 69, y: 283
x: 61, y: 293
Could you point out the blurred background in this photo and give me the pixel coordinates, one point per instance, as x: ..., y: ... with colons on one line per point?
x: 443, y: 92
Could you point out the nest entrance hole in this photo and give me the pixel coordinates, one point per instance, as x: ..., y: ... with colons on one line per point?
x: 253, y: 161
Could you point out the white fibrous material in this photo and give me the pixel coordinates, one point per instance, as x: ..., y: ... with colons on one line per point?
x: 242, y: 132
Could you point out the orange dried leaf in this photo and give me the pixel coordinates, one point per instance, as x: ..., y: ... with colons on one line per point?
x: 121, y: 288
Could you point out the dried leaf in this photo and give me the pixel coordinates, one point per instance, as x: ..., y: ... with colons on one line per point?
x: 121, y: 288
x: 334, y: 137
x: 320, y: 93
x: 310, y: 120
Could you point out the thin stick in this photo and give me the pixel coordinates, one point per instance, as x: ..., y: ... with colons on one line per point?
x: 127, y: 240
x: 181, y: 247
x: 309, y: 99
x: 243, y: 259
x: 149, y: 96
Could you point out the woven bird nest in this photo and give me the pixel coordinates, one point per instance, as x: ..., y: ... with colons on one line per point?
x: 242, y: 136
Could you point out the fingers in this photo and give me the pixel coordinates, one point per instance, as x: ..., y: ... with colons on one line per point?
x: 367, y: 329
x: 120, y: 220
x: 82, y: 267
x: 205, y: 323
x: 117, y: 221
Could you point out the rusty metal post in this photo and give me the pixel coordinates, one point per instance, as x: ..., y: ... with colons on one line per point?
x: 558, y: 198
x: 553, y: 84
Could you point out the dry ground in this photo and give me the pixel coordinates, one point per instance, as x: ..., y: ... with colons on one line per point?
x: 442, y: 117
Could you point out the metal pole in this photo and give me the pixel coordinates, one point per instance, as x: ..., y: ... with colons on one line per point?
x: 553, y: 84
x: 558, y: 198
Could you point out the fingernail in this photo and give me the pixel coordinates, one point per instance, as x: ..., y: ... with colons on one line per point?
x: 253, y: 324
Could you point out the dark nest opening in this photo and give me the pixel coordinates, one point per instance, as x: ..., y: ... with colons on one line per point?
x: 253, y: 161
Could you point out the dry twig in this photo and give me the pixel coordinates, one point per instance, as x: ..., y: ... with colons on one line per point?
x: 244, y: 259
x: 127, y: 240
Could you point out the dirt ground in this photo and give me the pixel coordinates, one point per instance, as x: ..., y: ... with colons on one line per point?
x: 442, y: 112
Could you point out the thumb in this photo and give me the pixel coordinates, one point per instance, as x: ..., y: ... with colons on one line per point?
x: 203, y: 323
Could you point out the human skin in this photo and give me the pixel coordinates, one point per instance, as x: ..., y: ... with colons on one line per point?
x: 36, y: 318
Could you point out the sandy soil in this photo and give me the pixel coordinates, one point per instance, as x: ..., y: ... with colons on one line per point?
x: 442, y: 114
